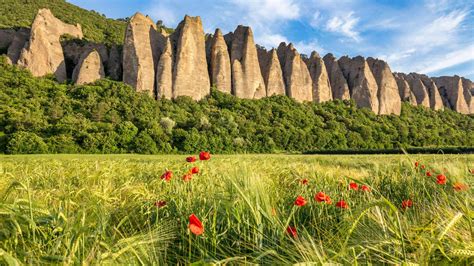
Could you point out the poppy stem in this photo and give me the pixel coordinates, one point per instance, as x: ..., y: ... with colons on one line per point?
x: 189, y: 249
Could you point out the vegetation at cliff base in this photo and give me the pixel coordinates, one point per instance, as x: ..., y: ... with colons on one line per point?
x: 39, y: 115
x: 96, y: 27
x: 236, y: 209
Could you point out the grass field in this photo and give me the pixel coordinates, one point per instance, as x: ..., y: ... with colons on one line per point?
x: 91, y: 209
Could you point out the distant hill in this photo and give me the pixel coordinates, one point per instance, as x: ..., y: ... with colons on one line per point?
x: 96, y: 27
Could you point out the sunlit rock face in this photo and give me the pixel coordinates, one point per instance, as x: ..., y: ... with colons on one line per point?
x: 361, y: 81
x: 43, y: 54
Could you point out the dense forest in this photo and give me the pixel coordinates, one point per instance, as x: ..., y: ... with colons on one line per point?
x: 39, y: 115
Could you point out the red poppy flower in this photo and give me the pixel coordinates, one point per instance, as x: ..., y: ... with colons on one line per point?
x: 441, y: 179
x: 204, y: 156
x: 194, y: 170
x: 304, y: 181
x: 458, y: 186
x: 407, y: 204
x: 191, y: 159
x: 422, y: 166
x: 416, y: 164
x: 291, y: 230
x: 300, y: 201
x: 428, y: 173
x: 320, y: 197
x: 187, y: 177
x: 195, y: 225
x: 160, y: 203
x: 365, y: 188
x: 353, y: 186
x: 167, y: 175
x: 342, y: 204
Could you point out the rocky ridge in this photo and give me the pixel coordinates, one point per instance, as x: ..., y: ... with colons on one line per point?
x: 188, y: 63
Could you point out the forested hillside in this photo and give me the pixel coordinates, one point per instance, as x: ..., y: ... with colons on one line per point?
x: 96, y: 27
x: 38, y: 115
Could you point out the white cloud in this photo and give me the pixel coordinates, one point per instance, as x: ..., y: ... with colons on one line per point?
x: 448, y: 60
x: 307, y: 47
x: 269, y: 40
x: 269, y: 10
x: 345, y: 25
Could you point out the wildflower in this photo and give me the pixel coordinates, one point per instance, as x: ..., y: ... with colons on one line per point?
x: 304, y: 181
x: 194, y: 170
x: 428, y: 174
x: 441, y: 179
x: 416, y: 164
x: 322, y: 197
x: 342, y: 204
x: 300, y: 201
x: 458, y: 186
x: 160, y: 203
x: 291, y: 230
x: 191, y: 159
x: 365, y: 188
x: 407, y: 204
x: 422, y: 166
x: 204, y: 156
x: 187, y: 177
x: 167, y: 175
x: 195, y: 225
x: 353, y: 186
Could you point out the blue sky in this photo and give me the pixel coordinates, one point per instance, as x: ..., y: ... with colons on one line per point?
x: 434, y: 37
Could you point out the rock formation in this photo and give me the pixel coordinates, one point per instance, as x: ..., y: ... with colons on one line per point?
x: 220, y: 70
x: 140, y: 54
x: 89, y: 69
x: 321, y: 85
x: 467, y: 86
x: 387, y: 94
x: 17, y: 44
x: 295, y: 73
x: 271, y: 70
x: 419, y: 90
x: 362, y: 84
x: 190, y: 73
x: 452, y: 89
x: 339, y: 87
x: 114, y: 64
x: 247, y: 78
x: 164, y: 73
x: 43, y: 54
x: 404, y: 90
x: 187, y: 62
x: 436, y: 102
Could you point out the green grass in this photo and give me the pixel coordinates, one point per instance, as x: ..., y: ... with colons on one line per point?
x: 90, y: 209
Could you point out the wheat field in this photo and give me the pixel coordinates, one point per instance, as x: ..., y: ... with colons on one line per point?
x: 117, y: 209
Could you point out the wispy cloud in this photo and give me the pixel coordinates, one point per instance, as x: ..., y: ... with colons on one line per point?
x: 345, y: 25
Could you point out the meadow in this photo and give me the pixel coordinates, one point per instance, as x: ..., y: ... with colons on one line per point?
x: 237, y: 209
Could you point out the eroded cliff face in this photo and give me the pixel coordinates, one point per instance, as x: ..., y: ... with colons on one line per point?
x: 188, y: 62
x: 339, y: 86
x: 362, y: 84
x: 221, y: 73
x: 43, y: 54
x: 452, y: 89
x: 89, y: 69
x: 247, y: 78
x: 299, y: 84
x: 322, y: 91
x: 190, y: 72
x: 140, y: 54
x: 387, y: 94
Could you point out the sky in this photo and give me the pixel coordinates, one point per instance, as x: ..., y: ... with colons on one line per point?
x: 433, y: 37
